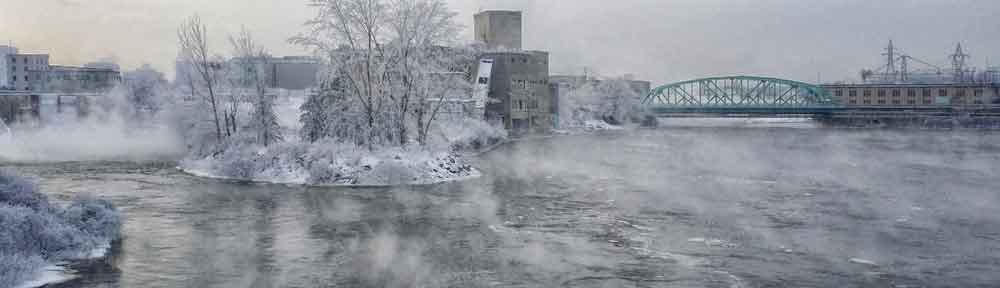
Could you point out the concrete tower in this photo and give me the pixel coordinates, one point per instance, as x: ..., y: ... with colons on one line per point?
x: 5, y: 74
x: 499, y: 29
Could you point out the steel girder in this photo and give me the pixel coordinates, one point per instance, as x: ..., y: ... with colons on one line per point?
x: 740, y: 92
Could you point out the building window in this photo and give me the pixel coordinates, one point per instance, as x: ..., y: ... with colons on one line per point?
x: 881, y: 101
x: 868, y: 93
x: 960, y: 93
x: 927, y: 92
x: 881, y: 93
x: 852, y: 93
x: 895, y: 93
x: 943, y: 92
x: 838, y: 93
x: 978, y: 92
x: 911, y: 93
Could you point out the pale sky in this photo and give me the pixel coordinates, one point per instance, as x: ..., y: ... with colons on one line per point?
x: 657, y: 40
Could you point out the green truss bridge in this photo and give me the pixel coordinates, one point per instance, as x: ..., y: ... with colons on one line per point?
x: 741, y: 96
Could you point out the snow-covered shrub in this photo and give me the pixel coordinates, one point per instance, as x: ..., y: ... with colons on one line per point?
x: 16, y: 191
x: 331, y: 162
x: 469, y: 133
x: 239, y: 158
x: 34, y: 233
x: 96, y: 217
x: 41, y: 233
x: 17, y: 267
x: 612, y: 101
x: 395, y: 171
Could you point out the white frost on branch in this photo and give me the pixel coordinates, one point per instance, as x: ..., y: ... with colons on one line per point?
x: 586, y: 104
x: 385, y: 61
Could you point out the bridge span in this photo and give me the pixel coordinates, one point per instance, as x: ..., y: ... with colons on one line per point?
x: 766, y: 97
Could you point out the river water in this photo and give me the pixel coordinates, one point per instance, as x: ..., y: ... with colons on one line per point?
x: 679, y: 207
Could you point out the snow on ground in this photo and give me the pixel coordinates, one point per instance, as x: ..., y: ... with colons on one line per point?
x: 58, y: 273
x: 332, y: 164
x: 52, y: 274
x: 287, y: 107
x: 588, y: 126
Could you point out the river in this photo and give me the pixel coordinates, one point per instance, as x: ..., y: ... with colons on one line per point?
x: 678, y: 207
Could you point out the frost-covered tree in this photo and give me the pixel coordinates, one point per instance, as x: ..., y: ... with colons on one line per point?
x: 314, y: 117
x: 201, y: 69
x: 327, y: 114
x: 386, y: 58
x: 249, y: 78
x: 610, y: 100
x: 147, y: 92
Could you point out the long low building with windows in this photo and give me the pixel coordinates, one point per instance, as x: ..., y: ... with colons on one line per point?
x: 956, y: 94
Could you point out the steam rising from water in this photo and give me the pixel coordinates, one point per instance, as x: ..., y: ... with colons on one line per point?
x: 103, y: 136
x: 90, y: 141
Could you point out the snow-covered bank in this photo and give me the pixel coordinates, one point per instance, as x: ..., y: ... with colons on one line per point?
x: 37, y: 238
x: 48, y: 275
x: 589, y: 126
x: 330, y: 163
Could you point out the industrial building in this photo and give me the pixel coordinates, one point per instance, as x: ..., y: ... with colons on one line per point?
x: 6, y: 72
x: 904, y: 80
x: 512, y: 84
x: 289, y: 72
x: 910, y: 94
x: 519, y: 96
x: 293, y: 72
x: 25, y: 69
x: 29, y: 83
x: 70, y: 79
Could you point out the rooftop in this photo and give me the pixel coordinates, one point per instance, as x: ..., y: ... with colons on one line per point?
x: 76, y: 68
x: 513, y: 12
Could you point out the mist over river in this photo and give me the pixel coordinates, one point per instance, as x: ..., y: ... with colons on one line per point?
x: 677, y: 207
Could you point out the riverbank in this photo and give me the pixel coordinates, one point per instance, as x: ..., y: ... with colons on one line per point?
x: 333, y: 165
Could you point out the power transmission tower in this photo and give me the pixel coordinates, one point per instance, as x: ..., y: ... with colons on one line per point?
x: 889, y: 74
x: 958, y: 63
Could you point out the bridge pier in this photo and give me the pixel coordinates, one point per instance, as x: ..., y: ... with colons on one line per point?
x: 15, y: 108
x: 27, y: 107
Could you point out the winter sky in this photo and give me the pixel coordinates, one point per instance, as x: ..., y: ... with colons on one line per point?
x: 658, y: 40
